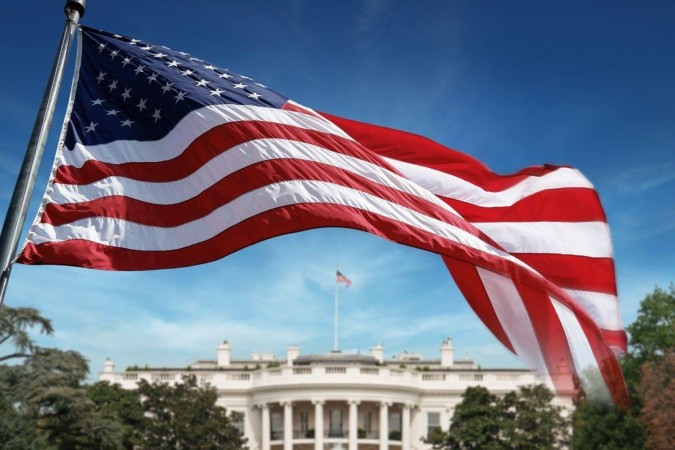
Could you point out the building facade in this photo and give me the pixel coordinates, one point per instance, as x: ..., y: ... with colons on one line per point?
x: 337, y: 400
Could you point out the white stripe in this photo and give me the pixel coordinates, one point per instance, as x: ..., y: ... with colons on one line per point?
x: 187, y: 130
x: 126, y: 234
x: 603, y: 308
x: 515, y: 320
x: 450, y: 186
x: 564, y: 238
x: 584, y: 360
x: 233, y: 160
x: 305, y: 109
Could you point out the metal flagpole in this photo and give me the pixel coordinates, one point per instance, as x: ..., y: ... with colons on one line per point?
x: 18, y: 205
x: 337, y: 284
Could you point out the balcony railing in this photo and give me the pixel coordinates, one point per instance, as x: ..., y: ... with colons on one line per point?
x: 277, y: 435
x: 310, y: 434
x: 293, y: 375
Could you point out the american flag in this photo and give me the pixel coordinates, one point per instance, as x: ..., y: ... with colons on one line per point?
x: 341, y: 278
x: 169, y: 161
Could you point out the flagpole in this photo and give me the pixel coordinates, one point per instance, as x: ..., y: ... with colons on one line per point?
x: 18, y: 205
x: 335, y: 341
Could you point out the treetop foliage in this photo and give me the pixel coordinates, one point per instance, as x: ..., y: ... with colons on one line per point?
x: 185, y: 416
x: 526, y: 419
x: 652, y: 333
x: 15, y: 324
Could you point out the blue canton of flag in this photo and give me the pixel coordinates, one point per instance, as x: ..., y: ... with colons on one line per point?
x: 130, y: 89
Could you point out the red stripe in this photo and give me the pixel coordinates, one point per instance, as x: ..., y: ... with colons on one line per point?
x: 235, y: 185
x: 574, y: 272
x: 551, y: 337
x: 422, y: 151
x: 295, y: 218
x: 258, y: 228
x: 469, y: 283
x: 549, y: 331
x: 609, y: 367
x: 554, y: 205
x: 616, y: 338
x: 208, y: 146
x: 553, y: 342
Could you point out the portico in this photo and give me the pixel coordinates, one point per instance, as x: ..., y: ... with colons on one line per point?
x: 322, y: 423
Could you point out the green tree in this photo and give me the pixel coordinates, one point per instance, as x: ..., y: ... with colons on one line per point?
x: 43, y: 403
x: 18, y: 427
x: 653, y: 332
x: 15, y: 324
x: 526, y: 419
x: 601, y: 427
x: 48, y: 388
x: 532, y: 421
x: 18, y: 431
x: 438, y: 438
x: 185, y: 416
x: 118, y: 405
x: 477, y: 421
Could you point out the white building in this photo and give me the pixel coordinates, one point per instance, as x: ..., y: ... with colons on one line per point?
x: 363, y: 402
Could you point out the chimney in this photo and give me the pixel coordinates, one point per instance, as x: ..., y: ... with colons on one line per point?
x: 291, y: 354
x: 377, y: 352
x: 224, y: 354
x: 447, y: 353
x: 108, y: 367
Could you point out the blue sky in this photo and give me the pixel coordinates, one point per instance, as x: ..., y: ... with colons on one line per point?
x: 588, y: 84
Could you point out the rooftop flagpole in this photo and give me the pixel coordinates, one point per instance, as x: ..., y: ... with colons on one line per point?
x: 23, y: 190
x: 336, y: 348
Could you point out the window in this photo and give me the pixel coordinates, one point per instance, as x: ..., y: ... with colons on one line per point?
x: 277, y: 428
x: 433, y: 422
x: 238, y: 421
x: 335, y: 424
x: 471, y: 377
x: 304, y: 421
x: 395, y: 421
x: 368, y: 422
x: 395, y: 425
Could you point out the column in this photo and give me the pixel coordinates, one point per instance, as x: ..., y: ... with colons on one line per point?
x: 288, y: 425
x: 266, y: 431
x: 353, y: 424
x: 318, y: 424
x: 445, y: 419
x: 405, y: 427
x: 384, y: 425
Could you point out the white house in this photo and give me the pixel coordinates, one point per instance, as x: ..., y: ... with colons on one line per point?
x: 338, y: 400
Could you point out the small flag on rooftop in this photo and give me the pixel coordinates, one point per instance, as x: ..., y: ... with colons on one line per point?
x: 341, y: 278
